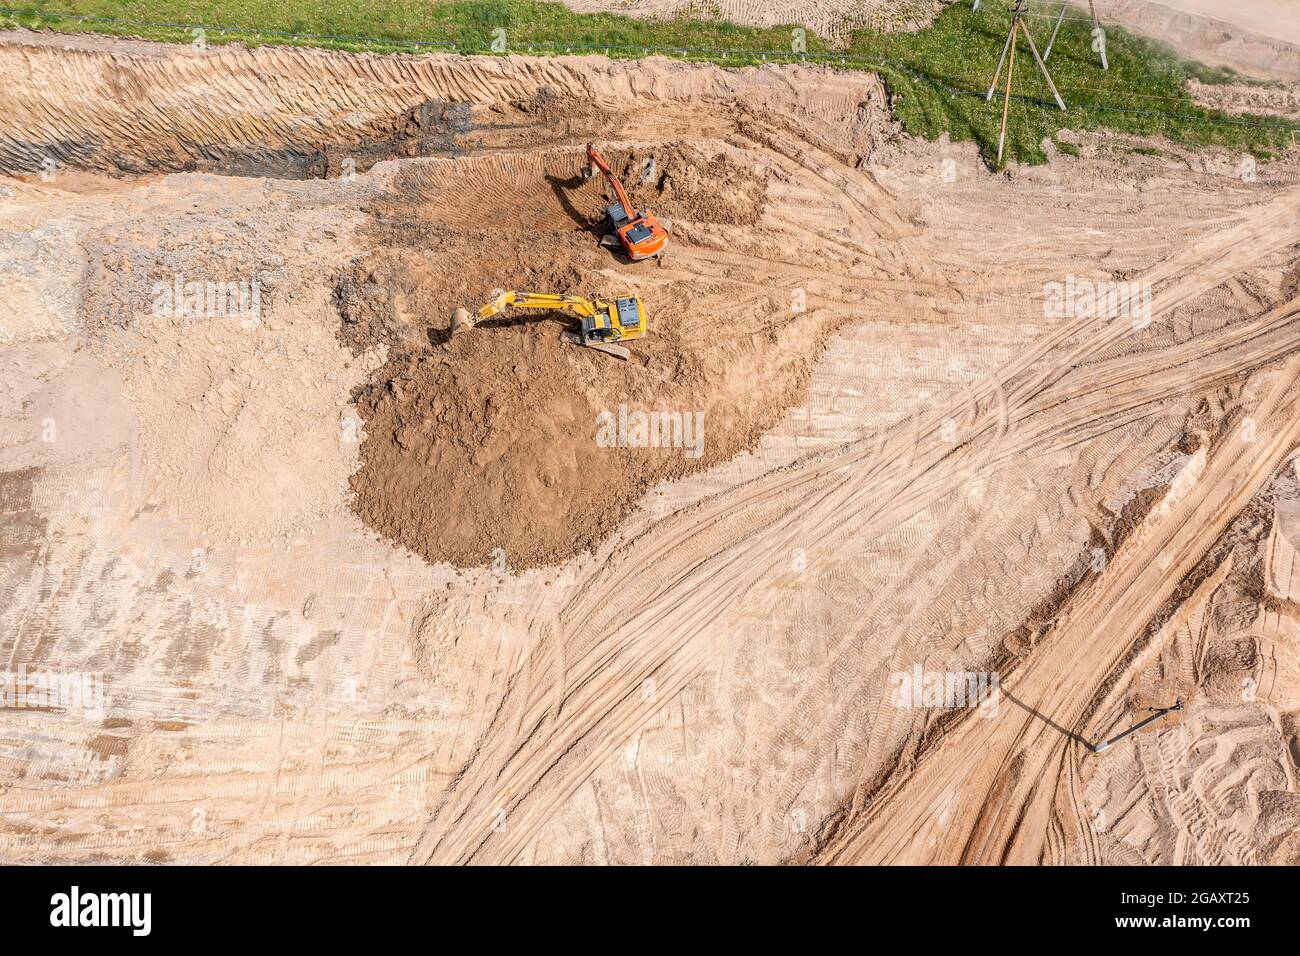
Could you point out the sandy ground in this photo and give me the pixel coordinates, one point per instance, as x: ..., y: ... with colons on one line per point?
x: 1259, y: 38
x: 1279, y: 19
x: 919, y: 465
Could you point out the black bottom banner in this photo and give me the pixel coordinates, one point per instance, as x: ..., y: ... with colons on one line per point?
x: 335, y: 906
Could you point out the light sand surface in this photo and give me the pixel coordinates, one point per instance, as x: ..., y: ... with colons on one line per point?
x: 927, y: 468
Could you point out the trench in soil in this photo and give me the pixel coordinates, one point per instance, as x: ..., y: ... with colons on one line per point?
x: 499, y: 442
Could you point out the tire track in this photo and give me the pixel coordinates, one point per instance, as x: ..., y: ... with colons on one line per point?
x: 1007, y: 768
x: 694, y: 567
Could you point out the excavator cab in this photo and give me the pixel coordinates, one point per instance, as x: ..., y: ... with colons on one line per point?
x: 616, y: 215
x: 609, y: 322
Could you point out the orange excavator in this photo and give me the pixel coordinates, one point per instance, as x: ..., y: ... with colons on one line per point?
x: 640, y: 234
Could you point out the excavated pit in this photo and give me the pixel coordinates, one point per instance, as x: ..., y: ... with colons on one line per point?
x: 497, y: 441
x: 259, y: 115
x: 488, y: 443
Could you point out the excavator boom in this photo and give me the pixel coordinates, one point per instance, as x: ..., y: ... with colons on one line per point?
x: 573, y: 304
x: 597, y: 160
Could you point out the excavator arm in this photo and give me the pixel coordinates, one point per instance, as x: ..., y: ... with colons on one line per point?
x: 597, y: 160
x: 573, y: 304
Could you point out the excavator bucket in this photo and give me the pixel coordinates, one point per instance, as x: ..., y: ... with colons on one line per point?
x: 461, y: 320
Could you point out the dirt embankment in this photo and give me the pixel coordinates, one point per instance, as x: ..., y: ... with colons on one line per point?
x: 507, y: 443
x: 278, y: 112
x: 296, y: 112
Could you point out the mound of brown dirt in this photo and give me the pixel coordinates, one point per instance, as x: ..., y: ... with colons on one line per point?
x: 677, y: 182
x: 498, y: 438
x: 403, y: 296
x: 506, y: 438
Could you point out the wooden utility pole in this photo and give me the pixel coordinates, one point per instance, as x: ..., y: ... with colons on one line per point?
x: 1009, y: 47
x: 1029, y: 38
x: 1006, y: 100
x: 1158, y: 713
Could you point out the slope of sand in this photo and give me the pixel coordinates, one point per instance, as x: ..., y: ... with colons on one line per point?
x: 1279, y: 19
x: 926, y: 468
x: 1260, y: 38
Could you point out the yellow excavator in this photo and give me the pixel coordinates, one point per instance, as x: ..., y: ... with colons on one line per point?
x: 602, y: 324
